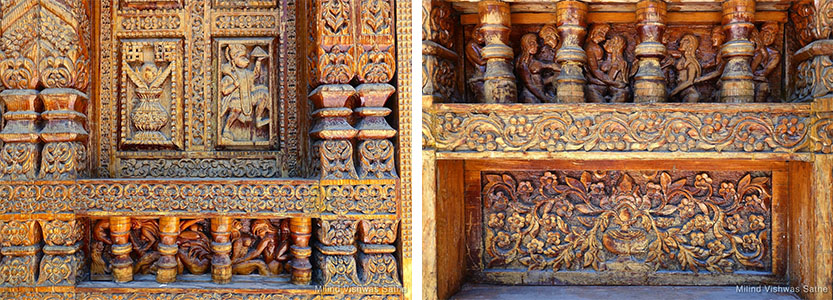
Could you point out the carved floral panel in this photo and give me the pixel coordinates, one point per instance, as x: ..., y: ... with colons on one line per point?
x: 634, y: 221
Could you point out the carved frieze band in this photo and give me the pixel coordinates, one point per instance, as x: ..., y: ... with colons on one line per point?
x: 765, y: 128
x: 191, y: 296
x: 276, y: 197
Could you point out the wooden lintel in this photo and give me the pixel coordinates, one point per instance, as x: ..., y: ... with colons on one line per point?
x: 630, y: 17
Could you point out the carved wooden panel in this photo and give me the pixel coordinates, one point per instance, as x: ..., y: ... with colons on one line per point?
x: 194, y: 86
x: 609, y: 222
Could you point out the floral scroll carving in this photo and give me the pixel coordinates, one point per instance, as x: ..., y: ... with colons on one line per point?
x: 628, y: 220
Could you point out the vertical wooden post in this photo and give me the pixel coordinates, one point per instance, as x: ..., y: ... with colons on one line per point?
x: 221, y: 245
x: 572, y: 23
x: 168, y: 232
x: 737, y: 85
x: 649, y: 81
x: 21, y: 148
x: 301, y: 231
x: 122, y: 263
x: 498, y: 81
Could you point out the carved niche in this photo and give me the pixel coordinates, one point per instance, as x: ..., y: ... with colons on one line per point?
x: 151, y: 98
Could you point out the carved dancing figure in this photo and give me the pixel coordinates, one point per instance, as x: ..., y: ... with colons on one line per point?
x: 688, y: 69
x: 765, y: 60
x: 600, y: 84
x: 194, y: 247
x: 529, y: 70
x: 475, y: 58
x: 245, y: 103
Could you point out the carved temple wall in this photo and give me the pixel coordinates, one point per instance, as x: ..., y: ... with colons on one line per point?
x: 228, y: 149
x: 627, y: 143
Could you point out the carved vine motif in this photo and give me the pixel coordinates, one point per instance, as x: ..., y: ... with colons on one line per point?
x: 249, y: 168
x: 337, y: 159
x: 638, y: 221
x: 376, y: 159
x: 219, y: 296
x: 624, y: 131
x: 377, y: 64
x: 64, y: 160
x: 152, y: 22
x: 366, y: 199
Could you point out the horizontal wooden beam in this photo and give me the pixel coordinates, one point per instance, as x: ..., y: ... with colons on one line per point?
x: 630, y: 17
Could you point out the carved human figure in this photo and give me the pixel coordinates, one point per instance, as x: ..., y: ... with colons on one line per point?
x: 246, y: 250
x: 599, y: 68
x: 99, y: 253
x: 718, y: 37
x: 528, y: 69
x: 688, y: 69
x: 473, y: 55
x: 765, y: 60
x: 552, y: 42
x: 144, y: 235
x: 194, y: 247
x: 246, y: 104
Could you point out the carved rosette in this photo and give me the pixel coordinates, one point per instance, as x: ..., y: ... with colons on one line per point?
x: 571, y: 56
x: 21, y: 245
x: 649, y: 81
x: 737, y: 85
x: 335, y: 253
x: 498, y: 81
x: 378, y: 265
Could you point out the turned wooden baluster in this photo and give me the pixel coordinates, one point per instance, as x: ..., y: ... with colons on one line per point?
x: 301, y: 231
x: 498, y: 81
x: 221, y: 262
x: 122, y: 263
x: 572, y: 23
x: 649, y: 81
x: 168, y: 232
x: 737, y: 85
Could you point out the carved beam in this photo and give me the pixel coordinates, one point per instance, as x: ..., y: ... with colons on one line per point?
x: 122, y: 263
x: 335, y: 253
x: 168, y: 232
x: 498, y: 82
x: 737, y: 85
x: 571, y: 22
x: 378, y: 265
x: 221, y: 245
x: 649, y: 81
x: 300, y: 233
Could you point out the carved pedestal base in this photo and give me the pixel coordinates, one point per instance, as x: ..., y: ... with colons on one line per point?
x: 336, y: 265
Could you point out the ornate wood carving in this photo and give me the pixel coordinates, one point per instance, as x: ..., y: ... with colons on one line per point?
x: 376, y: 256
x: 301, y: 231
x: 335, y: 253
x: 498, y: 80
x: 736, y: 84
x: 628, y: 221
x: 571, y: 27
x: 221, y: 245
x: 649, y: 80
x: 439, y: 56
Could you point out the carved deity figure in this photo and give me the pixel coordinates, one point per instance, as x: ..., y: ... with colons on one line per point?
x: 473, y: 55
x: 688, y: 69
x: 149, y: 116
x: 246, y: 103
x: 765, y: 59
x: 100, y: 249
x: 607, y: 70
x: 194, y: 247
x: 528, y: 69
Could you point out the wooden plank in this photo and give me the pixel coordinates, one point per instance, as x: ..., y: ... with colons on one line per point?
x: 525, y: 18
x: 451, y: 242
x: 695, y: 165
x: 429, y: 226
x: 799, y: 224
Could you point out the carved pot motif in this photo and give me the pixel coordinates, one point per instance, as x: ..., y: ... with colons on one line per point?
x: 149, y: 114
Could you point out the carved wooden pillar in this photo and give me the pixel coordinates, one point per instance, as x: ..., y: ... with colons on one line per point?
x: 335, y: 253
x: 300, y: 233
x: 439, y: 59
x: 498, y: 82
x: 572, y: 25
x: 168, y: 232
x: 122, y: 263
x: 21, y: 148
x: 21, y: 244
x: 65, y: 153
x: 62, y: 261
x: 737, y: 85
x: 649, y: 81
x: 221, y: 245
x: 378, y: 265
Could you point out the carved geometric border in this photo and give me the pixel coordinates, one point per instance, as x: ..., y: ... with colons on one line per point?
x: 301, y: 197
x: 785, y: 128
x: 282, y: 294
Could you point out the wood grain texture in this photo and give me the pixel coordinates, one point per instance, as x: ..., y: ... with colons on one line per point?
x: 451, y: 235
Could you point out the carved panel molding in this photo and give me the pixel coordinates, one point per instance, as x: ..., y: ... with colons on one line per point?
x: 628, y: 221
x: 698, y: 128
